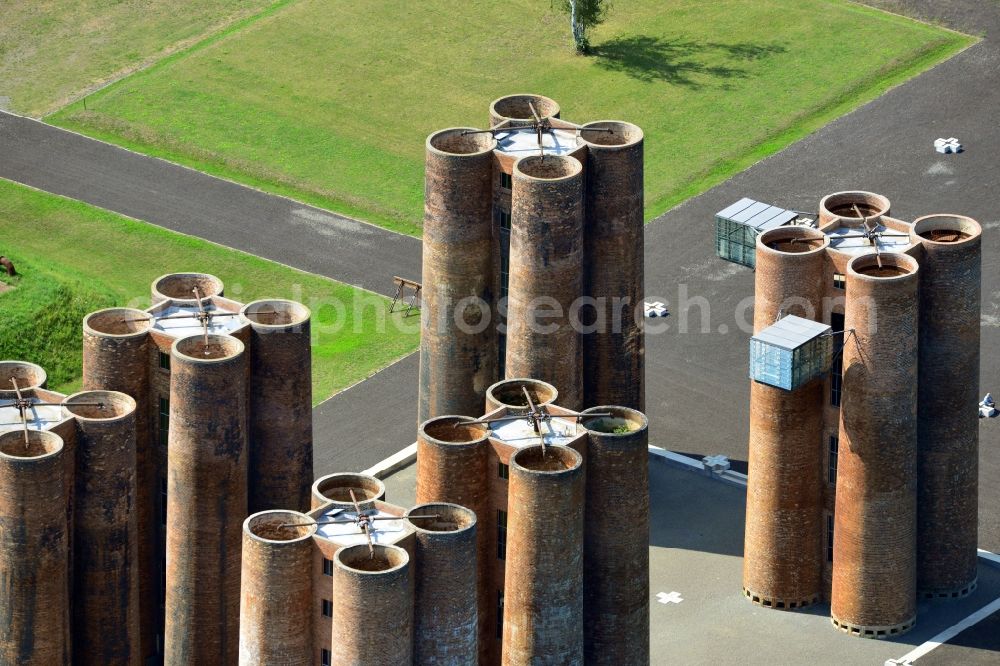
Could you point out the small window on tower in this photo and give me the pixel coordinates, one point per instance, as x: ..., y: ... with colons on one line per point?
x: 829, y: 538
x: 501, y: 535
x: 839, y: 281
x: 163, y: 502
x: 325, y: 657
x: 505, y: 180
x: 503, y: 217
x: 327, y: 608
x: 164, y: 361
x: 164, y: 420
x: 834, y: 447
x: 503, y: 471
x: 327, y: 567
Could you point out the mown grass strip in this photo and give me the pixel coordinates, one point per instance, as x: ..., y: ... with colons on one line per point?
x: 75, y: 258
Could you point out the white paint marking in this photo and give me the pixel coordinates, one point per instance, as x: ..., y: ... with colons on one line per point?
x: 672, y: 598
x: 949, y: 633
x: 993, y: 558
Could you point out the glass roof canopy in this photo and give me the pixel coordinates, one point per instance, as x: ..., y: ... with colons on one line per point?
x: 737, y: 227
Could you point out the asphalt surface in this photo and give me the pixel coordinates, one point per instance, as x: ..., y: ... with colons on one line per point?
x: 191, y: 202
x: 695, y: 550
x: 368, y: 422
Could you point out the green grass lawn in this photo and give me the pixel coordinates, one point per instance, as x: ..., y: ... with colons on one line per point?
x: 331, y: 102
x: 74, y: 259
x: 51, y: 51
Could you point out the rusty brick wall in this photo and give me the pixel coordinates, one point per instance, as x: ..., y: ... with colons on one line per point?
x: 66, y: 430
x: 280, y: 436
x: 874, y: 559
x: 116, y: 358
x: 372, y: 607
x: 509, y: 393
x: 206, y: 500
x: 159, y: 387
x: 841, y: 206
x: 276, y: 591
x: 322, y: 589
x: 33, y: 551
x: 336, y: 488
x: 445, y: 606
x: 546, y: 262
x: 457, y: 366
x: 783, y: 543
x: 543, y: 592
x: 947, y: 428
x: 178, y: 287
x: 515, y: 109
x: 452, y: 466
x: 105, y: 589
x: 614, y: 353
x: 616, y: 539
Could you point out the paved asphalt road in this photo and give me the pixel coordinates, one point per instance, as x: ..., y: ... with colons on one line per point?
x: 191, y: 202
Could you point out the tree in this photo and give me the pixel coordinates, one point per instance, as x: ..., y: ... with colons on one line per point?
x: 583, y: 15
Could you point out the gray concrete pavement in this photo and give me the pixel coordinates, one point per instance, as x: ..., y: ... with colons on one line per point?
x: 191, y: 202
x: 695, y: 549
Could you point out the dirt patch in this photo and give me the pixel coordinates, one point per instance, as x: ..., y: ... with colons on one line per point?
x: 4, y: 287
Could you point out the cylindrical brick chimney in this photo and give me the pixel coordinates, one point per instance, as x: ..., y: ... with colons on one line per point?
x: 452, y: 466
x: 509, y: 393
x: 179, y: 287
x: 445, y: 615
x: 546, y: 274
x: 116, y: 358
x: 852, y: 207
x: 543, y: 590
x: 517, y: 109
x: 875, y: 529
x: 458, y: 344
x: 947, y: 428
x: 337, y: 488
x: 280, y: 436
x: 783, y: 543
x: 614, y: 351
x: 28, y: 375
x: 616, y: 539
x: 206, y: 499
x: 33, y: 550
x: 105, y: 544
x: 788, y: 279
x: 276, y: 591
x: 372, y: 607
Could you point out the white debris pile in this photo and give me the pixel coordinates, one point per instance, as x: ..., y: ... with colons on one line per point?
x: 988, y: 408
x: 950, y: 145
x: 656, y: 309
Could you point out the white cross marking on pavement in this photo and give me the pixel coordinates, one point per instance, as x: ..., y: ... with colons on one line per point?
x: 672, y: 598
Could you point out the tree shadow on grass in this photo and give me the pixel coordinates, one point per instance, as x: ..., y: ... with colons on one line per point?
x: 678, y: 61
